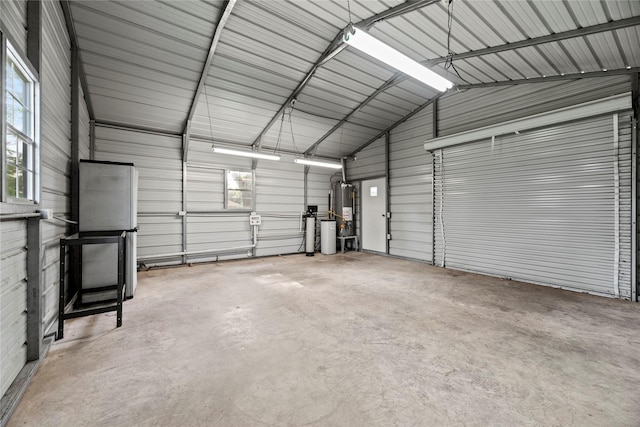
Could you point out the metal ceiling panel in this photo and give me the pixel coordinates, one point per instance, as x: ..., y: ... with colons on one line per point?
x: 143, y: 59
x: 346, y: 140
x: 233, y: 117
x: 587, y: 12
x: 305, y: 128
x: 630, y: 40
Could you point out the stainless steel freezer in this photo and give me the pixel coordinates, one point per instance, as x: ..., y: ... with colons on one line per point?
x: 108, y: 202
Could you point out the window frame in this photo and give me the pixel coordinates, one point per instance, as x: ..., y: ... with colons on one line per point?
x: 227, y: 189
x: 8, y: 52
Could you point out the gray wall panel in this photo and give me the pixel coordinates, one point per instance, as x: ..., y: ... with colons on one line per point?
x: 461, y: 111
x: 14, y: 18
x: 410, y: 188
x: 55, y: 143
x: 13, y: 301
x: 158, y: 161
x: 279, y: 199
x: 369, y: 162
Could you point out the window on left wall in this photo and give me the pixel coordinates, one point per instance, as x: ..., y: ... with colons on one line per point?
x: 21, y: 148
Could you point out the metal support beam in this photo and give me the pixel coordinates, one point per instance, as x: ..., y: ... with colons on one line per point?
x: 92, y: 139
x: 335, y: 46
x: 575, y: 76
x: 34, y: 278
x: 389, y: 83
x: 393, y: 126
x: 635, y: 91
x: 75, y: 136
x: 185, y: 150
x: 434, y: 120
x: 578, y: 32
x: 34, y: 33
x: 387, y: 180
x: 66, y: 10
x: 222, y: 20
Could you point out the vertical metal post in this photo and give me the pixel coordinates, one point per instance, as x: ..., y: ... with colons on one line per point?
x: 61, y: 301
x: 185, y: 154
x: 434, y: 118
x: 34, y: 33
x: 34, y: 278
x: 92, y: 139
x: 75, y: 135
x: 434, y: 134
x: 306, y: 188
x: 387, y: 147
x: 635, y: 93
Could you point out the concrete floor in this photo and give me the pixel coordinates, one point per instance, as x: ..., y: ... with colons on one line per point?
x: 342, y: 340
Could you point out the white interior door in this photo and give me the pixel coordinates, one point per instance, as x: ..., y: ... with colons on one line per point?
x: 374, y: 215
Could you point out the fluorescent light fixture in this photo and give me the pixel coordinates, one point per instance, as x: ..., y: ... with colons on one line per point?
x: 253, y: 154
x: 385, y: 53
x: 322, y: 164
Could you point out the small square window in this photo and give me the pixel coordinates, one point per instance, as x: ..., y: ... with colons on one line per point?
x: 239, y: 190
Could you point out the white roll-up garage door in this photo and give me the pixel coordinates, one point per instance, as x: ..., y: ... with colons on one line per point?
x: 549, y: 206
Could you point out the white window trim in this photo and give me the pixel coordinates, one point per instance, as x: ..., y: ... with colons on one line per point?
x: 8, y: 51
x: 253, y: 189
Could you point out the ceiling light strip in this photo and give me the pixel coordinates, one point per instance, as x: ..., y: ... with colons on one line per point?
x: 385, y: 53
x: 320, y: 163
x: 252, y: 154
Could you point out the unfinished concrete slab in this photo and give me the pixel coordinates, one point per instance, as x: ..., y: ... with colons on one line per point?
x: 349, y: 339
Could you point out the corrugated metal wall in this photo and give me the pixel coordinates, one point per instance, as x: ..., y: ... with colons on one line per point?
x: 55, y: 87
x: 461, y: 111
x: 368, y: 163
x: 410, y: 189
x: 14, y: 19
x: 209, y: 226
x: 13, y: 254
x: 280, y: 200
x: 13, y: 301
x: 540, y: 207
x: 158, y: 160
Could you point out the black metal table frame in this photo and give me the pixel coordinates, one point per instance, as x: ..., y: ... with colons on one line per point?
x: 66, y: 311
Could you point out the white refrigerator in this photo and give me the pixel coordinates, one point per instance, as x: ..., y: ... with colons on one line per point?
x: 108, y: 202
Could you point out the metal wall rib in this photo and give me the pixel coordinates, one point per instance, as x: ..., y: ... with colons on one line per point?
x: 475, y: 108
x: 14, y: 19
x: 539, y: 207
x: 55, y: 151
x: 368, y: 163
x: 13, y: 301
x: 157, y: 159
x: 279, y: 199
x: 410, y: 189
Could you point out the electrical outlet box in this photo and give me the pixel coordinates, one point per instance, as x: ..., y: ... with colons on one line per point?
x: 255, y: 219
x: 46, y: 213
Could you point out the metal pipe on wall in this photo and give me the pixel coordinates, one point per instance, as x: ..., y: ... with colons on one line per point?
x: 199, y: 252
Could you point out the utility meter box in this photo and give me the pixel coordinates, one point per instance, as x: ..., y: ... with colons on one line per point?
x: 255, y: 219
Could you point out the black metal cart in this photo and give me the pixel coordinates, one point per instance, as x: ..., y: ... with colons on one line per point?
x: 69, y: 308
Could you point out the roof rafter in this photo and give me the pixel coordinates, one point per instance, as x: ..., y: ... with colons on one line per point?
x: 584, y: 31
x: 222, y: 20
x: 335, y: 46
x: 578, y: 32
x: 574, y: 76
